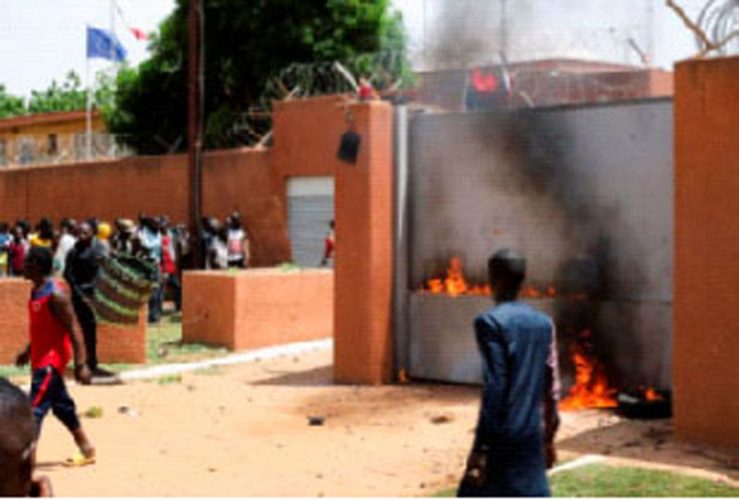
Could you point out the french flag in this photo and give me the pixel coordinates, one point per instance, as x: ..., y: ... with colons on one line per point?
x: 138, y: 34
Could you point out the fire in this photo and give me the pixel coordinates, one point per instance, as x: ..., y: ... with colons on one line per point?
x: 455, y: 284
x: 591, y: 389
x: 652, y: 395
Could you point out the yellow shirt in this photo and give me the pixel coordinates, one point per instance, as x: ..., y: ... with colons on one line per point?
x: 36, y: 241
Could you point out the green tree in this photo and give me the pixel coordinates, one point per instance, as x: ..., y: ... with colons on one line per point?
x: 67, y: 96
x: 249, y: 44
x: 10, y: 105
x: 70, y: 95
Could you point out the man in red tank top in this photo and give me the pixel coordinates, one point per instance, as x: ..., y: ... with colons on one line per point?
x: 53, y: 339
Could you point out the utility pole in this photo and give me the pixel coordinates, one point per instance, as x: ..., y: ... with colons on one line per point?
x: 195, y: 125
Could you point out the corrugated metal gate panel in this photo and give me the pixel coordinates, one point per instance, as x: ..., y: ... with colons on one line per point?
x: 575, y: 189
x: 310, y: 209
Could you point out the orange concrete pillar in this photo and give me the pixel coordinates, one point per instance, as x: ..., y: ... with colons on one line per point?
x: 706, y: 302
x: 363, y: 271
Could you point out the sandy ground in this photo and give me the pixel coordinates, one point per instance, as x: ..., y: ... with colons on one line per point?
x: 243, y: 431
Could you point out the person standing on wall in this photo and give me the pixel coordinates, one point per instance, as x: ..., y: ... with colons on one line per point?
x: 512, y: 449
x: 80, y: 272
x: 238, y: 242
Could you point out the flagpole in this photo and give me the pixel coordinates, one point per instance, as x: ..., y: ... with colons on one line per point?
x: 88, y: 109
x: 112, y: 32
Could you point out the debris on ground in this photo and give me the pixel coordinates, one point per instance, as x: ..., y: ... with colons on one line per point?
x: 316, y: 420
x: 125, y: 410
x: 93, y: 412
x: 443, y: 418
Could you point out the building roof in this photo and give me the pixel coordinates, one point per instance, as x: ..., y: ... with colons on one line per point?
x: 43, y: 119
x: 566, y: 65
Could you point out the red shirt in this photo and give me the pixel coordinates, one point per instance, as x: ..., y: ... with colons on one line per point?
x: 17, y: 255
x: 51, y: 342
x: 168, y: 265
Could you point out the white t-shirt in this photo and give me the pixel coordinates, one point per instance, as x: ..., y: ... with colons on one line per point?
x: 220, y: 251
x: 66, y: 242
x: 236, y: 244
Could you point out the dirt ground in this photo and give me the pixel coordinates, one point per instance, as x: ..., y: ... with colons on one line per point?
x: 243, y: 431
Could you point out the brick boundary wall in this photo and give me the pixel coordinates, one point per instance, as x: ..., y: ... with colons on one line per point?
x: 706, y: 303
x: 116, y: 344
x: 306, y: 140
x: 257, y: 308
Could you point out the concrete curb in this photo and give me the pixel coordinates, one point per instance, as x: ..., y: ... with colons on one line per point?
x: 231, y: 359
x: 578, y: 462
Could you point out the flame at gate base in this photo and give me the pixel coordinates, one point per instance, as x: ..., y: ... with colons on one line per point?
x: 591, y: 389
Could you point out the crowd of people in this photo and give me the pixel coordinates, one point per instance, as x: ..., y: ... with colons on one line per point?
x: 79, y: 246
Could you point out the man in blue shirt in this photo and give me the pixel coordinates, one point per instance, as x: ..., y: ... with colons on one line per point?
x: 513, y: 444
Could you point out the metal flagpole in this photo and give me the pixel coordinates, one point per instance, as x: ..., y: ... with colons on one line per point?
x: 112, y: 32
x: 88, y: 109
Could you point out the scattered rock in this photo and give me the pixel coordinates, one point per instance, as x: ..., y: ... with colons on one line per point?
x: 212, y: 469
x: 443, y: 418
x: 422, y: 486
x: 125, y: 410
x: 316, y: 420
x: 190, y: 387
x: 93, y: 412
x: 296, y: 359
x: 319, y: 476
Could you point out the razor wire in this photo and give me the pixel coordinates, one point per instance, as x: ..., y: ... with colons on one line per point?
x: 385, y: 70
x: 719, y: 20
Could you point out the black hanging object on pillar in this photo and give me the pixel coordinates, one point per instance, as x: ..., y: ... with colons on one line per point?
x: 349, y: 147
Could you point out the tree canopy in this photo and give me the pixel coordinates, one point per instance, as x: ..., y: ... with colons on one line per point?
x: 69, y: 95
x: 252, y: 47
x: 10, y: 105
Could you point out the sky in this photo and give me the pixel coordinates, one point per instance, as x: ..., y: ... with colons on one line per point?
x: 41, y: 40
x: 590, y: 29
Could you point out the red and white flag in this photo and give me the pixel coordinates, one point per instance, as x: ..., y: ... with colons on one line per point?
x: 138, y: 33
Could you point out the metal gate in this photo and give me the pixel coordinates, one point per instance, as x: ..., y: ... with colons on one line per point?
x: 310, y: 205
x: 585, y: 192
